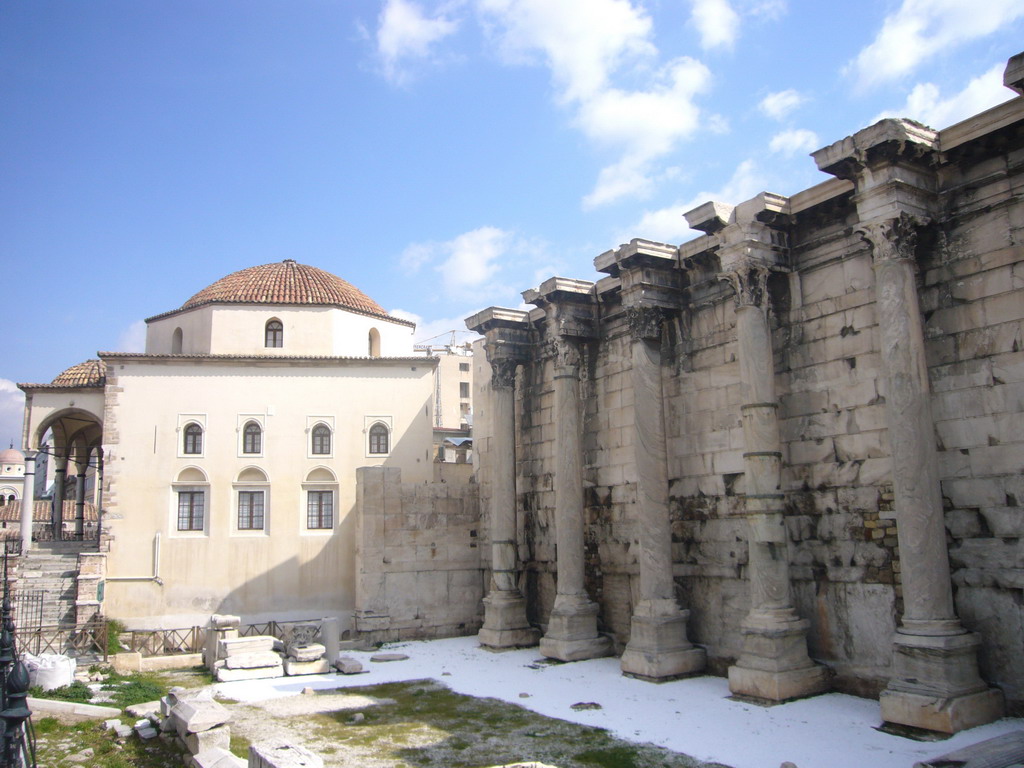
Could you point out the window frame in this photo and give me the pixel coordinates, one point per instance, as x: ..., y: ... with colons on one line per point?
x: 247, y: 432
x: 188, y: 435
x: 316, y: 432
x: 251, y: 494
x: 183, y: 422
x: 193, y: 492
x: 273, y: 337
x: 321, y: 493
x: 371, y: 422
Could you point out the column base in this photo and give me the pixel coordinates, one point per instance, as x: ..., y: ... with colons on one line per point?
x: 774, y: 665
x: 572, y: 631
x: 505, y: 624
x: 936, y: 685
x: 658, y: 649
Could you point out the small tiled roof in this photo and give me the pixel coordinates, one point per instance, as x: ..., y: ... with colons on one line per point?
x: 91, y: 373
x: 285, y: 282
x: 11, y: 513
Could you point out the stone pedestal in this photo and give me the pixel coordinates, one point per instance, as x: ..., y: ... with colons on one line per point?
x: 505, y: 624
x: 572, y: 631
x: 936, y: 685
x: 658, y: 650
x: 774, y: 664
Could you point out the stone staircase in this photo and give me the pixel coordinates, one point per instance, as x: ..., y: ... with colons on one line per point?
x: 47, y: 576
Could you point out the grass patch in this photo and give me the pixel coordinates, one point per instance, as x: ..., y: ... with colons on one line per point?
x: 55, y: 742
x: 428, y: 725
x: 77, y: 692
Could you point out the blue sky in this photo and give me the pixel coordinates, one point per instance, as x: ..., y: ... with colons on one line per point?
x: 442, y: 156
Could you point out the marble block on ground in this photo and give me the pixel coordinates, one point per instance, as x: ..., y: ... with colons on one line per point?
x: 348, y: 666
x: 206, y: 740
x: 278, y: 753
x: 233, y: 646
x: 195, y: 716
x: 226, y: 675
x: 217, y: 758
x: 252, y: 660
x: 317, y: 667
x: 308, y: 652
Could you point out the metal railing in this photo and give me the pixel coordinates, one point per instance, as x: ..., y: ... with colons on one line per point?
x: 164, y: 642
x: 89, y: 639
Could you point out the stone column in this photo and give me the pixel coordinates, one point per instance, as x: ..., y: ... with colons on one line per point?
x: 658, y: 647
x: 572, y: 625
x: 57, y: 510
x: 28, y: 497
x: 935, y: 683
x: 774, y: 664
x: 80, y: 498
x: 505, y: 624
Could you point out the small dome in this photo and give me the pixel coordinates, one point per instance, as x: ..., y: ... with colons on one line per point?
x: 91, y: 373
x: 285, y: 282
x: 11, y: 456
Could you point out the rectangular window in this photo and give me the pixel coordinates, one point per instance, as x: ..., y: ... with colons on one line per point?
x: 463, y: 389
x: 464, y: 366
x: 250, y: 510
x: 191, y: 506
x: 319, y: 509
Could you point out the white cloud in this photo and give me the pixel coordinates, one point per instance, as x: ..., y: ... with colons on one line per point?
x: 592, y: 66
x: 926, y: 105
x: 405, y: 33
x: 920, y: 29
x: 132, y: 338
x: 582, y: 41
x: 12, y: 411
x: 716, y: 22
x: 667, y: 225
x: 789, y: 143
x: 467, y: 263
x: 779, y: 105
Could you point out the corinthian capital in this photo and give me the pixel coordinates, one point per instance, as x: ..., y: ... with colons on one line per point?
x: 645, y: 322
x: 503, y: 373
x: 749, y: 281
x: 891, y: 239
x: 566, y: 354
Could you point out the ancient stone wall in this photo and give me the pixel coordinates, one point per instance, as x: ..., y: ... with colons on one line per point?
x: 418, y: 565
x: 836, y: 464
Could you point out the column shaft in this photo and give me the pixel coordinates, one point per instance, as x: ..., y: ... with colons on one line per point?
x: 57, y: 512
x: 505, y: 624
x: 572, y: 625
x: 658, y: 647
x: 935, y: 684
x: 774, y: 664
x: 28, y: 496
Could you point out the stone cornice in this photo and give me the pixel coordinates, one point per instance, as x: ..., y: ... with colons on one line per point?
x: 570, y: 307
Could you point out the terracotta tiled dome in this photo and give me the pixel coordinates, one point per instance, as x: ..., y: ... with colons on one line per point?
x: 11, y: 456
x: 285, y: 282
x: 91, y: 373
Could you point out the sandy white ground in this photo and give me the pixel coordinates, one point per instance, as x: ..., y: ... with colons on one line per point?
x: 693, y: 716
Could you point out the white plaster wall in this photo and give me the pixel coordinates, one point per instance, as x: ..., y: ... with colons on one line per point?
x: 286, y: 571
x: 308, y: 330
x: 46, y: 404
x: 195, y: 327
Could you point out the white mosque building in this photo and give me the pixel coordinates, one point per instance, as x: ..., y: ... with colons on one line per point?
x: 227, y: 450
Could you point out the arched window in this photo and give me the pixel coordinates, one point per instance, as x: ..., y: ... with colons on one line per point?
x: 321, y: 440
x: 252, y: 438
x: 176, y: 339
x: 274, y: 335
x: 193, y: 439
x: 379, y: 438
x: 374, y: 343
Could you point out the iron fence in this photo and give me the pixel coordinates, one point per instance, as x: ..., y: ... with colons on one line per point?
x: 28, y: 608
x: 163, y: 642
x: 89, y: 639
